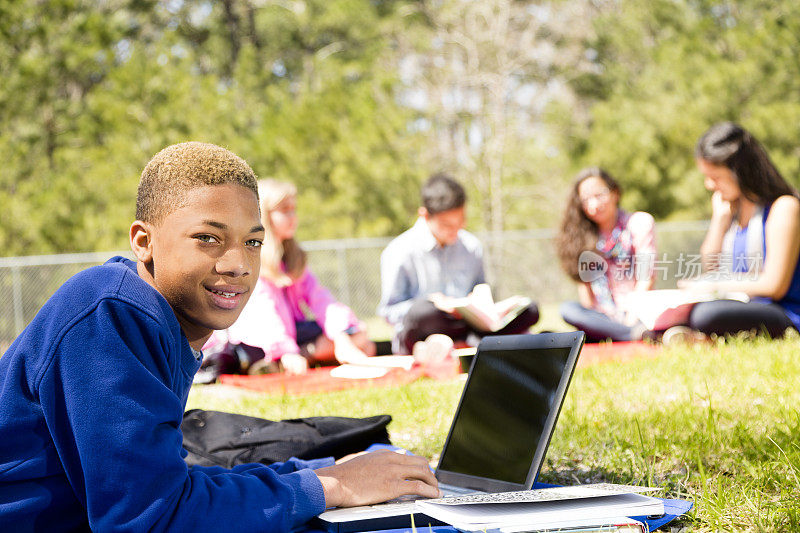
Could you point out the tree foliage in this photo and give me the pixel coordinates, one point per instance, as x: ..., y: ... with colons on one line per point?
x: 667, y: 70
x: 357, y: 101
x: 301, y: 89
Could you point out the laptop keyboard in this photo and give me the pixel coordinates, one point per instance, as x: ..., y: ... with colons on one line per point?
x: 499, y: 497
x: 403, y: 499
x: 452, y: 490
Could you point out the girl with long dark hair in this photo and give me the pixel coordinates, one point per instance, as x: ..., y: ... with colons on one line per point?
x: 753, y: 241
x: 609, y: 253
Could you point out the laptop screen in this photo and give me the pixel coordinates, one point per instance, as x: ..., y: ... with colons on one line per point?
x: 504, y: 412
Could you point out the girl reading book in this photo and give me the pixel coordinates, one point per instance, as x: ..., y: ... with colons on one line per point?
x: 273, y: 321
x: 609, y: 253
x: 753, y: 242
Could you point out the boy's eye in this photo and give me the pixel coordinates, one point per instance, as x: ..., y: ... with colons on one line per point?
x: 206, y: 238
x: 255, y: 243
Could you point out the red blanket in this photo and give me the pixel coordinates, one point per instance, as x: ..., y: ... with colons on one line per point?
x: 616, y: 351
x: 320, y: 379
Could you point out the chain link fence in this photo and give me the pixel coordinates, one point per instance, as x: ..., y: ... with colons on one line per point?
x: 518, y: 262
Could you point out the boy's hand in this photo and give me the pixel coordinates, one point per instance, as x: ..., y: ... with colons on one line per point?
x: 376, y: 477
x: 442, y: 302
x: 350, y: 456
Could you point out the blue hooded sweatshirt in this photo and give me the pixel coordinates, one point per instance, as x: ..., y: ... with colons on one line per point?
x: 92, y: 395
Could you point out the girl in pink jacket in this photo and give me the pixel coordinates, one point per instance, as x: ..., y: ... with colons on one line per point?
x: 273, y: 321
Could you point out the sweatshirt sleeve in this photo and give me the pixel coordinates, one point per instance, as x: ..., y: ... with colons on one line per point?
x: 294, y: 464
x: 111, y: 397
x: 291, y: 465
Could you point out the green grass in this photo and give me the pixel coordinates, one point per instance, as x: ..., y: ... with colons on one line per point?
x: 717, y: 424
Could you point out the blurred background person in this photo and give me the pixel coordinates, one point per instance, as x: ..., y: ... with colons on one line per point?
x: 594, y: 222
x: 753, y: 241
x: 273, y: 332
x: 433, y: 262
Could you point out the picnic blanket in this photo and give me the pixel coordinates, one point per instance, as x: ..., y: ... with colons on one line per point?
x: 601, y: 352
x: 318, y: 380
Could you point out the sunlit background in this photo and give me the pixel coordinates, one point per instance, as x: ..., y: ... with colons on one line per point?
x: 358, y: 101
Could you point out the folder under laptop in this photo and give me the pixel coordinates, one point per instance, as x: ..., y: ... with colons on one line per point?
x: 500, y: 432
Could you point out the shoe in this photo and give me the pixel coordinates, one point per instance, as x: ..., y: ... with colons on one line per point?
x: 682, y: 335
x: 435, y: 348
x: 472, y: 340
x: 638, y: 332
x: 264, y: 366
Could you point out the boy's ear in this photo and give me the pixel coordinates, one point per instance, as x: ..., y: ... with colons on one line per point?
x: 141, y: 237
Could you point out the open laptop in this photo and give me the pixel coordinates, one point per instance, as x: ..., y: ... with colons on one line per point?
x: 500, y: 432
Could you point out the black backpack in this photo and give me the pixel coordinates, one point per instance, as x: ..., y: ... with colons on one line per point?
x: 214, y: 438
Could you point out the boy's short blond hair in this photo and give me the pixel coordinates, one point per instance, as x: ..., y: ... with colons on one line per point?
x: 181, y: 167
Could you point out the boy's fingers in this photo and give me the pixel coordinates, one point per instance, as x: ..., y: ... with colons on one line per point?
x: 423, y: 473
x: 422, y: 489
x: 419, y: 478
x: 415, y: 465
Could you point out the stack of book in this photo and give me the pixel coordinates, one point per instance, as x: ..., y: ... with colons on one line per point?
x: 583, y: 508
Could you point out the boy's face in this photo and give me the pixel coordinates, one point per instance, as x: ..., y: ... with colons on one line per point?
x: 203, y: 257
x: 445, y: 225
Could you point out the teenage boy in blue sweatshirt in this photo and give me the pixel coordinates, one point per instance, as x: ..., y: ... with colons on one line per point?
x: 93, y: 391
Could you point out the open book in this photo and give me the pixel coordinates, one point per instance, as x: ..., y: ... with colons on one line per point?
x: 480, y: 309
x: 662, y: 309
x: 598, y: 505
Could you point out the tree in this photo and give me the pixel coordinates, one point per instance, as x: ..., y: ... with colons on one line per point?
x: 93, y: 89
x: 484, y: 74
x: 53, y: 55
x: 669, y: 69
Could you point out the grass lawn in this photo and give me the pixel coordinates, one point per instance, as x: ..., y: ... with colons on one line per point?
x: 718, y: 424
